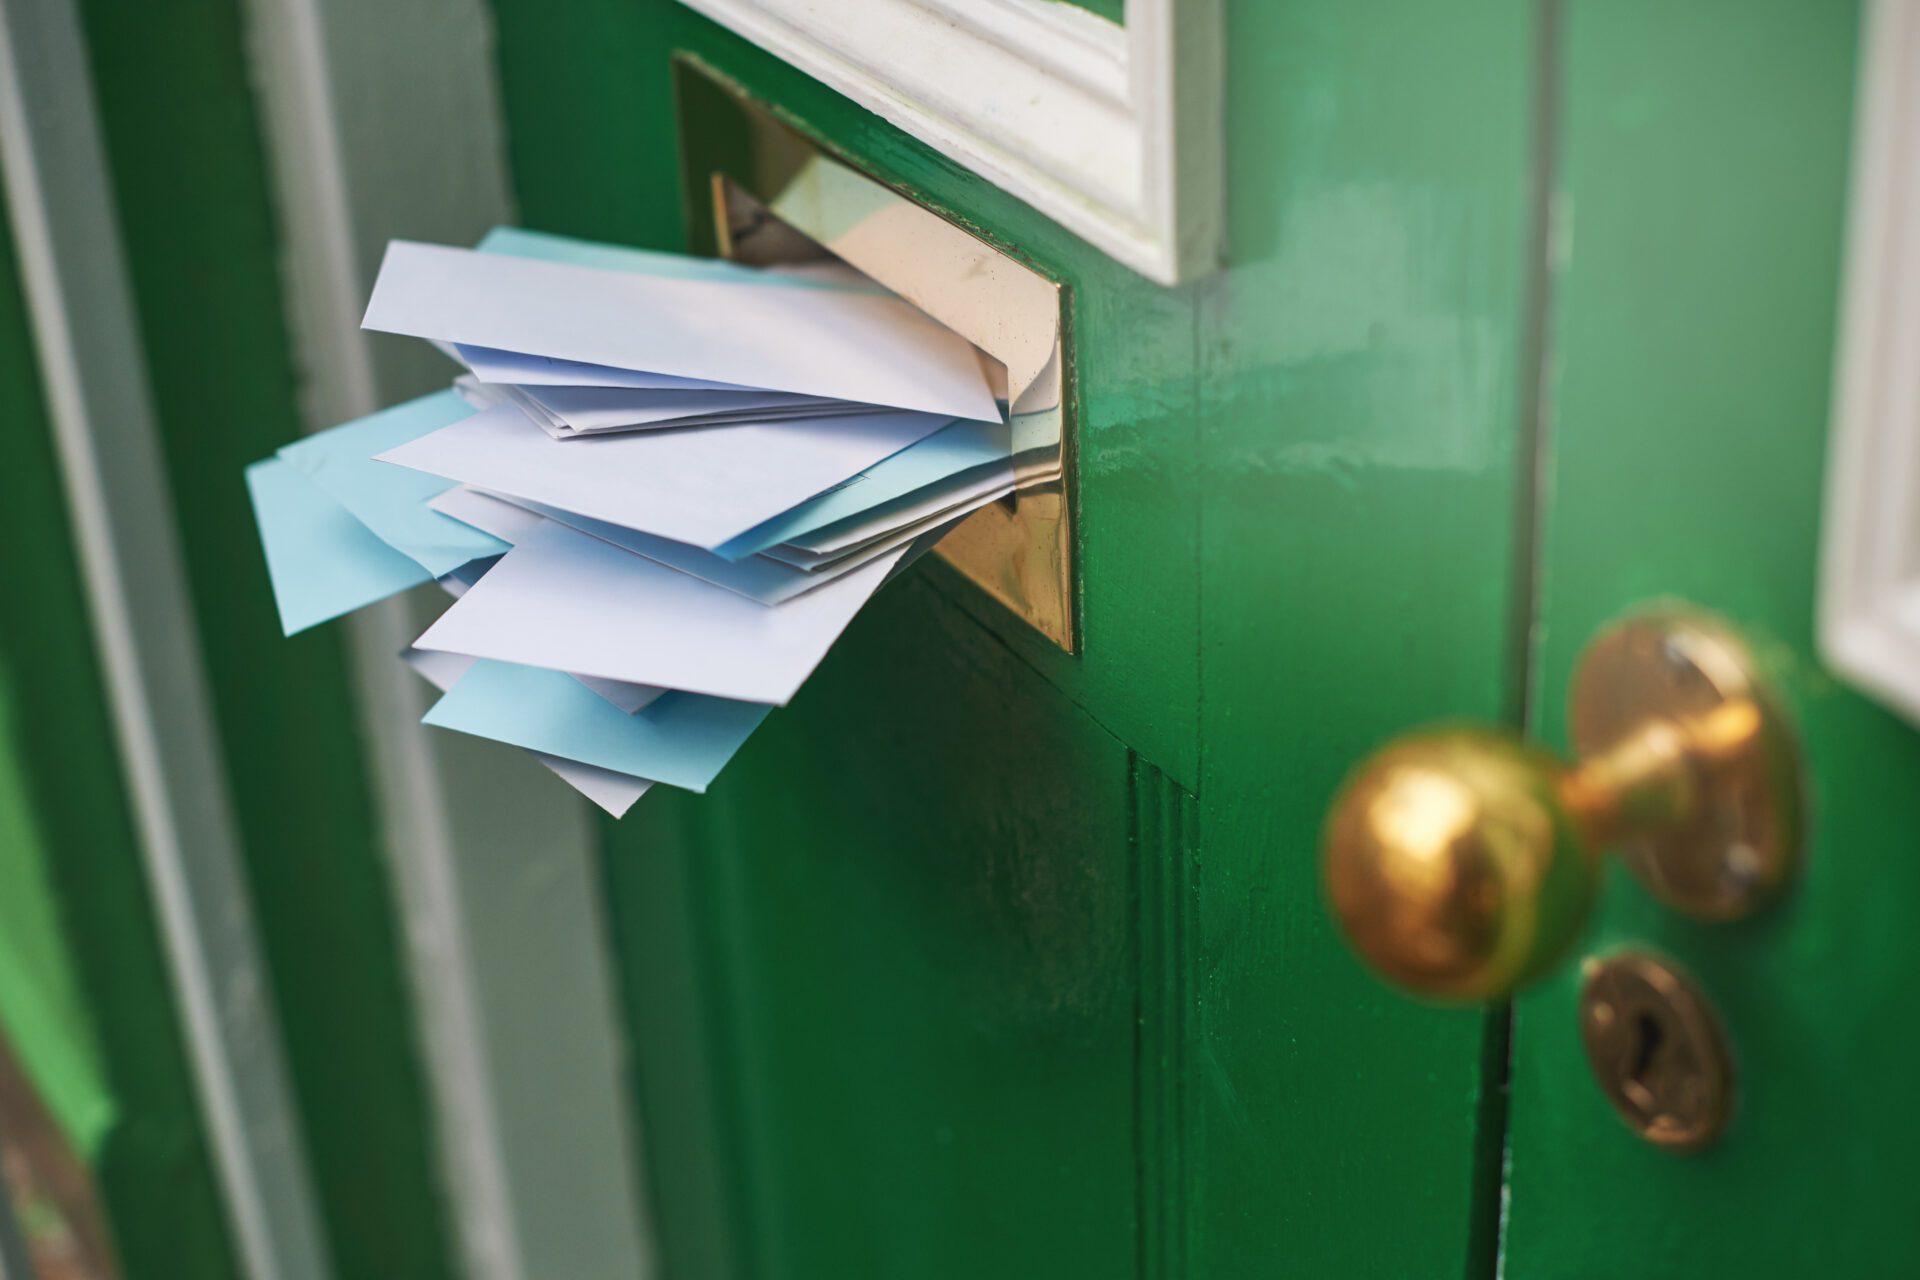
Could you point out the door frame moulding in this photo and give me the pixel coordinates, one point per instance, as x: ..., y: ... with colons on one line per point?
x: 1114, y: 131
x: 1869, y: 620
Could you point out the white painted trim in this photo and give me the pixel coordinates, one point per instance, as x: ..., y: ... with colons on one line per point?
x: 1870, y: 571
x: 1112, y: 131
x: 383, y: 120
x: 81, y: 306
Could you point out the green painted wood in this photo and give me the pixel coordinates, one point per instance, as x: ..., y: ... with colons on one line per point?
x: 1362, y: 527
x: 182, y: 141
x: 1111, y: 10
x: 915, y: 990
x: 42, y: 1012
x: 1704, y: 177
x: 984, y: 959
x: 92, y: 949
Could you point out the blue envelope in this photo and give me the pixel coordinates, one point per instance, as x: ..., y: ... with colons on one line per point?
x: 392, y: 501
x: 322, y: 561
x: 682, y: 739
x: 949, y: 454
x: 520, y: 243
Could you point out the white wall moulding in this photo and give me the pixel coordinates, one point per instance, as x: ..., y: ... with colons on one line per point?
x: 1870, y: 570
x: 1111, y: 130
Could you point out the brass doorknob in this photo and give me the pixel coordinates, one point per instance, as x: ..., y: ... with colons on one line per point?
x: 1461, y: 862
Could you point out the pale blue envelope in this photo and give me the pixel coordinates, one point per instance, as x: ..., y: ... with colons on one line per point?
x: 322, y: 561
x: 392, y: 501
x: 520, y: 243
x: 683, y: 739
x: 946, y: 455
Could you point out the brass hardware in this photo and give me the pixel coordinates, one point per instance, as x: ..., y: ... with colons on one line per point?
x: 1656, y: 1050
x: 776, y: 197
x: 1712, y: 820
x: 1461, y: 862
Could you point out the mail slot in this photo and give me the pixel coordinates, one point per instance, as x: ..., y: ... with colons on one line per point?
x: 763, y: 193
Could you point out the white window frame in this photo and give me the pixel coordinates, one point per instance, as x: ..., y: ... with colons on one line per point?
x: 1112, y: 130
x: 1870, y: 572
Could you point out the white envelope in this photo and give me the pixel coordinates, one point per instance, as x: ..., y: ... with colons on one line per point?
x: 756, y: 577
x: 700, y: 486
x: 567, y: 601
x: 489, y: 394
x: 840, y: 345
x: 485, y: 514
x: 507, y: 521
x: 489, y: 364
x: 588, y: 409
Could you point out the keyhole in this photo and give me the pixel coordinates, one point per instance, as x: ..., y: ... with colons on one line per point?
x: 1655, y: 1048
x: 1647, y: 1037
x: 1643, y: 1050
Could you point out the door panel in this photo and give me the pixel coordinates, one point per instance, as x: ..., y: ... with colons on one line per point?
x: 1703, y: 186
x: 919, y: 896
x: 986, y: 958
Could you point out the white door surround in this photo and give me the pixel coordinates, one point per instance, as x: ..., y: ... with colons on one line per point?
x: 1870, y: 569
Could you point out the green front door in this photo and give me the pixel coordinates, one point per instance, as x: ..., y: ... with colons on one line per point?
x: 990, y: 960
x: 987, y: 959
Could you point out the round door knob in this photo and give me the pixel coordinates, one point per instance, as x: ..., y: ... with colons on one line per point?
x: 1460, y: 862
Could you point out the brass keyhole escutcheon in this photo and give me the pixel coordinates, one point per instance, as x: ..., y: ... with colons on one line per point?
x: 1656, y: 1050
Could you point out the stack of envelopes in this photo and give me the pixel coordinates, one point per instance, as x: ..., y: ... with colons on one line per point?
x: 661, y: 489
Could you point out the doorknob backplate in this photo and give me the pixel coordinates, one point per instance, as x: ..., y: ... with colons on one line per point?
x: 1677, y: 680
